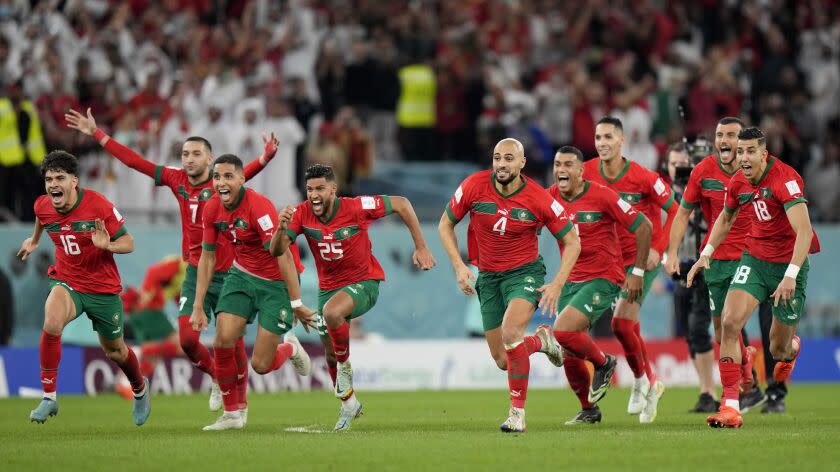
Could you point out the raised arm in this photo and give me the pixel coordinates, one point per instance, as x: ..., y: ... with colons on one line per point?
x: 446, y: 230
x: 30, y: 244
x: 422, y: 257
x: 87, y: 125
x: 269, y: 150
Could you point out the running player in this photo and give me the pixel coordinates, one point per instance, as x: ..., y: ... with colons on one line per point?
x: 87, y: 231
x: 774, y: 263
x: 192, y: 187
x: 348, y: 274
x: 647, y: 193
x: 506, y: 212
x: 596, y: 279
x: 257, y: 283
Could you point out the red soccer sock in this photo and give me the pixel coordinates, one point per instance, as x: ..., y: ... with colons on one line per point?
x: 283, y: 353
x: 131, y: 368
x: 169, y: 348
x: 579, y: 379
x: 195, y: 351
x: 147, y: 367
x: 226, y: 375
x: 625, y: 333
x: 730, y: 377
x: 648, y: 368
x: 333, y: 370
x: 532, y: 344
x: 519, y: 365
x: 241, y: 357
x: 581, y: 345
x: 50, y: 357
x: 341, y: 341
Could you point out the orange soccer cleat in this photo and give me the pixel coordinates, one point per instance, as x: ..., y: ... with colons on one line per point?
x: 727, y: 417
x: 747, y: 379
x: 783, y: 369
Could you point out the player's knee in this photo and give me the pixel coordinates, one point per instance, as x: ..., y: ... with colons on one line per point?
x: 116, y: 355
x: 53, y: 326
x: 261, y: 366
x: 729, y: 326
x: 501, y: 361
x: 334, y: 319
x: 778, y: 350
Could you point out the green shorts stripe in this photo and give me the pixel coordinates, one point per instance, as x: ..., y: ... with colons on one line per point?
x: 497, y: 289
x: 592, y: 297
x: 760, y: 279
x: 105, y: 310
x: 248, y: 296
x: 364, y: 295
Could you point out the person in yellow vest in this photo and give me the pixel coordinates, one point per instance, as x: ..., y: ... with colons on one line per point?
x: 22, y: 150
x: 416, y: 111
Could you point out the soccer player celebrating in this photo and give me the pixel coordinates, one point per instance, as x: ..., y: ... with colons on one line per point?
x: 87, y: 231
x: 257, y: 283
x: 506, y: 212
x: 595, y: 281
x: 774, y: 263
x: 191, y: 185
x: 348, y: 274
x: 647, y: 193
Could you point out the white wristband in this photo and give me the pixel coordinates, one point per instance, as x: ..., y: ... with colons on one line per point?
x: 296, y: 303
x: 638, y: 271
x: 792, y: 271
x: 708, y: 250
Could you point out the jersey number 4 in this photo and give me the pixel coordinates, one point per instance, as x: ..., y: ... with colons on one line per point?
x: 331, y: 248
x: 71, y: 247
x: 500, y: 226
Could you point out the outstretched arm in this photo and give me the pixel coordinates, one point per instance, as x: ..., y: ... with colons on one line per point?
x: 269, y: 150
x: 422, y: 258
x: 87, y: 125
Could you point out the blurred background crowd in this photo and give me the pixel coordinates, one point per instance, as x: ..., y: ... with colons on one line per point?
x: 364, y: 84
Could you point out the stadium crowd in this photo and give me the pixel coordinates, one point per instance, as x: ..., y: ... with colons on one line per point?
x: 353, y: 83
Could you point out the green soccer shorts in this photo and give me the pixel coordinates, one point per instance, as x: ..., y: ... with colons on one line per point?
x: 105, y: 310
x: 150, y: 325
x: 364, y: 295
x: 185, y: 303
x: 718, y: 277
x: 649, y: 277
x: 246, y: 295
x: 497, y: 289
x: 760, y: 278
x: 592, y: 297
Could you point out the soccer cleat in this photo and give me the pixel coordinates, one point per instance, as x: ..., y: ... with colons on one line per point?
x: 143, y: 405
x: 549, y: 346
x: 648, y: 413
x: 300, y: 359
x: 747, y: 378
x: 602, y: 379
x: 228, y: 420
x: 515, y: 422
x: 243, y: 412
x: 774, y: 406
x: 45, y: 409
x: 783, y: 369
x: 587, y: 415
x: 638, y: 396
x: 215, y: 402
x: 344, y: 380
x: 754, y: 398
x: 727, y: 417
x: 705, y: 404
x: 346, y: 415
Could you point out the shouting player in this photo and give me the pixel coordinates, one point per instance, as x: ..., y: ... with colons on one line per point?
x: 87, y: 231
x: 596, y: 279
x: 506, y: 212
x: 647, y: 193
x: 774, y: 263
x: 192, y: 187
x: 348, y: 274
x: 257, y: 283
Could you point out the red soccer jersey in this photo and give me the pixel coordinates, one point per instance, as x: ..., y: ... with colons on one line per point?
x: 707, y: 185
x: 645, y: 191
x: 78, y: 262
x: 248, y: 227
x: 771, y: 238
x: 595, y: 213
x: 503, y: 229
x: 341, y: 244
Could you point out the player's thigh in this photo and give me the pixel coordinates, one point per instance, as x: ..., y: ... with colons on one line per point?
x: 274, y: 306
x: 60, y: 308
x: 737, y: 308
x: 364, y: 295
x: 105, y: 312
x: 229, y: 328
x: 590, y: 299
x: 490, y: 300
x: 238, y: 298
x: 338, y: 308
x: 496, y: 346
x: 517, y: 315
x: 718, y: 278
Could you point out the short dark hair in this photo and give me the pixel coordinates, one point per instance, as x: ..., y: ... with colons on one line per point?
x: 317, y: 171
x: 60, y: 160
x: 611, y: 120
x: 571, y: 150
x: 748, y: 134
x: 229, y: 159
x: 199, y: 139
x: 728, y: 120
x: 678, y: 146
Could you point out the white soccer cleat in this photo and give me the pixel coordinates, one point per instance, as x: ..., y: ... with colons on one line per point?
x: 347, y: 413
x: 344, y: 380
x: 648, y: 414
x: 638, y: 396
x: 515, y: 422
x: 228, y: 420
x: 300, y: 359
x: 215, y: 401
x: 550, y: 347
x: 243, y: 412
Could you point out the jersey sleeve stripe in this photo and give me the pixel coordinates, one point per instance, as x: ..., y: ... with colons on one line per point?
x: 292, y: 235
x: 158, y: 175
x: 120, y: 233
x: 668, y: 204
x: 560, y: 234
x: 727, y: 209
x: 688, y: 205
x: 635, y: 224
x: 387, y: 200
x: 208, y: 247
x: 795, y: 201
x: 451, y: 215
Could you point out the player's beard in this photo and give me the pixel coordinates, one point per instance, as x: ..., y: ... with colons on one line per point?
x: 511, y: 177
x: 196, y: 171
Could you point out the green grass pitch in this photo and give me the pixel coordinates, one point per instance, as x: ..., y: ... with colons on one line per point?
x: 420, y: 431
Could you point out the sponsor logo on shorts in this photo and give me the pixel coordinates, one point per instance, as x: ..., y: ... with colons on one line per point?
x: 529, y: 289
x: 353, y: 290
x: 588, y: 308
x: 116, y: 318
